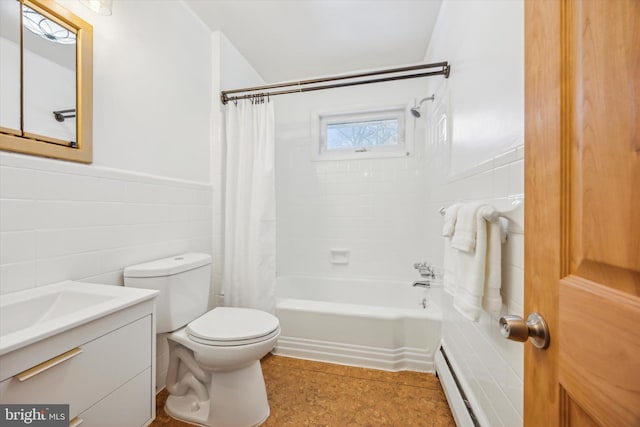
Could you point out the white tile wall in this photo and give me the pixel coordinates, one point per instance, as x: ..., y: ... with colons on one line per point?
x: 371, y: 207
x: 486, y: 157
x: 62, y: 221
x: 490, y: 367
x: 375, y: 208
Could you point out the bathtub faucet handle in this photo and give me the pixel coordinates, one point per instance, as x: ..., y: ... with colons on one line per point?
x: 422, y: 284
x: 425, y: 270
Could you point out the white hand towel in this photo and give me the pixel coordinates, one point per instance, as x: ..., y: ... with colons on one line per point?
x: 478, y: 273
x: 470, y: 273
x: 464, y: 236
x: 450, y: 217
x: 492, y: 299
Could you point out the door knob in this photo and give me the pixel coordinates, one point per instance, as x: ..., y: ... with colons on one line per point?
x: 516, y: 329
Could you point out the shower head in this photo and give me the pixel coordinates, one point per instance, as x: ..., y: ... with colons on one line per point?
x: 416, y: 110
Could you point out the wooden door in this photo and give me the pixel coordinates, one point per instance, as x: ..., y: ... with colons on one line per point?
x: 582, y: 217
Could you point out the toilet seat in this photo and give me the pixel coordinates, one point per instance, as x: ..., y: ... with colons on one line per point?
x: 233, y: 326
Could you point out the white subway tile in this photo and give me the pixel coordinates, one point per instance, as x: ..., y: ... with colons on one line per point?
x: 107, y: 190
x: 73, y: 267
x: 111, y: 278
x: 142, y: 192
x: 501, y: 181
x: 80, y: 226
x: 66, y: 187
x: 514, y: 284
x: 515, y: 308
x: 17, y: 247
x: 69, y: 241
x: 70, y: 187
x: 16, y: 183
x: 16, y: 277
x: 505, y: 158
x: 516, y: 178
x: 514, y: 250
x: 488, y: 366
x: 17, y: 214
x: 479, y: 186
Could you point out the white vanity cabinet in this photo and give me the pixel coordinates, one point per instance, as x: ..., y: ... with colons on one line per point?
x: 103, y: 369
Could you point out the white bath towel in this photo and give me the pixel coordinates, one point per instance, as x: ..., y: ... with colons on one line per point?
x: 464, y: 235
x: 477, y: 274
x: 450, y: 217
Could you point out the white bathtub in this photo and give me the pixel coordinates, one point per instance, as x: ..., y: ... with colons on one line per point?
x: 374, y: 324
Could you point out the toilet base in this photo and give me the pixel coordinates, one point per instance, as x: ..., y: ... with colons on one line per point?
x: 237, y: 398
x: 187, y: 408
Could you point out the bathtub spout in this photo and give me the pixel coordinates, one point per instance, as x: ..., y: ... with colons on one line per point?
x: 423, y: 284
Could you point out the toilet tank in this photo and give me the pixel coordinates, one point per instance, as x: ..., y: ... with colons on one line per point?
x: 184, y: 283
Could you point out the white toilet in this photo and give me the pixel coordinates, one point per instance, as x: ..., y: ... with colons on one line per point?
x: 214, y: 376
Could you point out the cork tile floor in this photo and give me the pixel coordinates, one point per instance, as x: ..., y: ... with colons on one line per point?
x: 306, y: 393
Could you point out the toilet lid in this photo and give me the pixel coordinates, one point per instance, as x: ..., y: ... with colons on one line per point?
x: 232, y: 324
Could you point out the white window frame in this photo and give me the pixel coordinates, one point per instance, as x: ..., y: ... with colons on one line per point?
x: 321, y: 119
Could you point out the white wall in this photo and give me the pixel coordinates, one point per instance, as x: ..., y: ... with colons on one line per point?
x: 375, y: 208
x: 484, y: 42
x: 235, y: 71
x: 152, y: 88
x: 482, y: 159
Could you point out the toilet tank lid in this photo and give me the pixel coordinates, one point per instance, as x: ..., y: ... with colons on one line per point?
x: 168, y: 266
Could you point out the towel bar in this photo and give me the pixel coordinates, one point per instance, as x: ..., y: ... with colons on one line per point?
x: 501, y: 214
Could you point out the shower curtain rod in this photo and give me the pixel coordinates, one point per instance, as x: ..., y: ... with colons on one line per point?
x: 445, y: 68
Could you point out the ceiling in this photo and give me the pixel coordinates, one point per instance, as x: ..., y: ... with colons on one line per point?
x: 297, y: 39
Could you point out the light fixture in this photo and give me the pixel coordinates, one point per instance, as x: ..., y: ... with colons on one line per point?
x: 102, y: 7
x: 46, y: 28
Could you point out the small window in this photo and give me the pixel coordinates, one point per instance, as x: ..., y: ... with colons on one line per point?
x: 361, y: 134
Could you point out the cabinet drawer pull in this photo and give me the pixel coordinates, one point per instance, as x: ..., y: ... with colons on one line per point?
x: 25, y: 375
x: 76, y: 422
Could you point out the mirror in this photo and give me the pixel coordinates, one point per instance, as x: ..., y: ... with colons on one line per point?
x: 46, y: 72
x: 48, y: 77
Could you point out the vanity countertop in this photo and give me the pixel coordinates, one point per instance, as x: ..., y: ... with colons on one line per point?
x: 35, y: 314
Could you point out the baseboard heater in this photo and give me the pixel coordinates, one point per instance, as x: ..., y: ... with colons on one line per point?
x: 458, y: 402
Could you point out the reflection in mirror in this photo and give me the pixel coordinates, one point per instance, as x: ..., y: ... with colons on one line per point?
x: 49, y: 78
x: 10, y: 67
x: 46, y: 78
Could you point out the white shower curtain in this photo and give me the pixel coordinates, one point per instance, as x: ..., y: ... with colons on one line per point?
x: 249, y: 271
